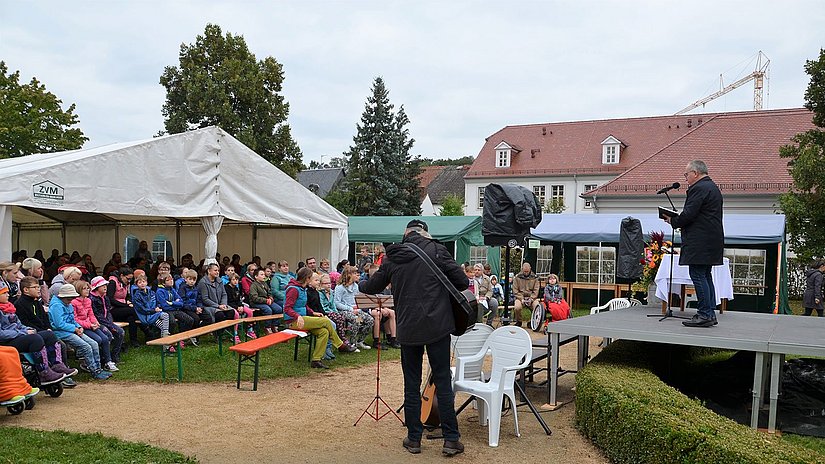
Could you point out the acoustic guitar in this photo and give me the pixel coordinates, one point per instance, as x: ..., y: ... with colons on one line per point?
x: 429, y: 405
x: 465, y: 312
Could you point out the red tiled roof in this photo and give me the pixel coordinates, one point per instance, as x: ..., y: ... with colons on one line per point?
x: 428, y: 174
x: 741, y: 150
x: 575, y: 147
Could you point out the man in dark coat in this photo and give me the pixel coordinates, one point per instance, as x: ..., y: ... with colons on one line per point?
x: 425, y: 320
x: 703, y: 239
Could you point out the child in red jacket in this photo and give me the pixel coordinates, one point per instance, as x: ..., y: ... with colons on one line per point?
x: 85, y: 316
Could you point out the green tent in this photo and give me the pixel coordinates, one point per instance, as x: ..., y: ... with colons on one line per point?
x: 458, y: 233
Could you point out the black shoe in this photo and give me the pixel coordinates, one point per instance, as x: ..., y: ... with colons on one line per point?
x: 451, y: 448
x: 413, y: 447
x: 698, y: 321
x: 318, y: 365
x: 85, y: 368
x: 69, y: 383
x: 394, y: 344
x: 380, y: 346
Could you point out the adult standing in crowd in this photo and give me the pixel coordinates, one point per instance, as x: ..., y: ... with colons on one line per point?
x: 812, y: 298
x: 703, y: 239
x: 425, y: 321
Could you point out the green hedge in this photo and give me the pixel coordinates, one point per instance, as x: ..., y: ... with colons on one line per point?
x: 634, y: 417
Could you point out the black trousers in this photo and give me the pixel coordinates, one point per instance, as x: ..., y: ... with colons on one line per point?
x: 412, y: 357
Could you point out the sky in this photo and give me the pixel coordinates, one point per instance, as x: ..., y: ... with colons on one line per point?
x: 461, y: 69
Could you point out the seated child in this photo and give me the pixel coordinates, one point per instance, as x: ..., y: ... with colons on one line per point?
x: 172, y: 303
x: 13, y: 385
x: 85, y: 316
x: 61, y: 316
x: 188, y: 292
x: 102, y: 308
x: 234, y: 299
x: 554, y: 300
x: 147, y: 309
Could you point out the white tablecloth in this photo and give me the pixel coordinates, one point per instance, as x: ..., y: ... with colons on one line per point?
x: 722, y: 283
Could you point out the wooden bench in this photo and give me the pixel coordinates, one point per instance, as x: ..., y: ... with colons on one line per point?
x: 249, y: 353
x: 174, y: 339
x: 122, y: 324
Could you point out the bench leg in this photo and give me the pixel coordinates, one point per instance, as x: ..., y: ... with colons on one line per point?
x: 238, y: 382
x: 311, y: 343
x: 163, y: 363
x: 255, y: 377
x: 179, y: 351
x: 295, y: 354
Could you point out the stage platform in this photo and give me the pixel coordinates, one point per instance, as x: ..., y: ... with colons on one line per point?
x: 769, y: 336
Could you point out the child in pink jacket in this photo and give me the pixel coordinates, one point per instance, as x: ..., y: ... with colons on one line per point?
x: 85, y: 316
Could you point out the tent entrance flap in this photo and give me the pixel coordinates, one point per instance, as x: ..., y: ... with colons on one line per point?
x: 211, y: 225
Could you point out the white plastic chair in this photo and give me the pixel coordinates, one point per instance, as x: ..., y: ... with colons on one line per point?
x: 470, y: 344
x: 510, y: 348
x: 634, y: 302
x: 615, y: 303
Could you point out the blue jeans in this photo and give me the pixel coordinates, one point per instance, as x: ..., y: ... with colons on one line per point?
x: 102, y: 339
x: 267, y: 310
x: 702, y: 279
x: 85, y: 348
x: 411, y: 360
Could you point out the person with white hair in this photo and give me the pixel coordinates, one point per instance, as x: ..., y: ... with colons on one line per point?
x: 70, y: 275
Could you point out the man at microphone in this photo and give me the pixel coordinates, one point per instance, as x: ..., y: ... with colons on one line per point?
x: 703, y: 238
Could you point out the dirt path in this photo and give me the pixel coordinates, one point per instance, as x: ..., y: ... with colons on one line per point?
x: 287, y: 418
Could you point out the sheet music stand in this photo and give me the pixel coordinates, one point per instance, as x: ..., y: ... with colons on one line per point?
x: 376, y: 302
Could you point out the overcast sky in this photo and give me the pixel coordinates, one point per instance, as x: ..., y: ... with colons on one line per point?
x: 461, y: 69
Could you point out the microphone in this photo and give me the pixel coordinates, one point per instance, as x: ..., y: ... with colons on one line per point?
x: 675, y: 185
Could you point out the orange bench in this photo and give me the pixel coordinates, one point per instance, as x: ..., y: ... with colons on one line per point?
x: 249, y: 353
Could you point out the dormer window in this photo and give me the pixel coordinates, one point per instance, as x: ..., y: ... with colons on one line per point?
x: 611, y: 150
x: 503, y: 152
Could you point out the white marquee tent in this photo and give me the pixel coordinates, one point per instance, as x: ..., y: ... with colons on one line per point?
x: 202, y: 191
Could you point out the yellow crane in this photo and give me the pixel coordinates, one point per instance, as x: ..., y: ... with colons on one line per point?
x: 758, y: 76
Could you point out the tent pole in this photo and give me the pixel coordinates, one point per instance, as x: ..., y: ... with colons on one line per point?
x: 117, y: 236
x: 63, y: 235
x: 177, y: 242
x: 254, y: 240
x: 599, y: 283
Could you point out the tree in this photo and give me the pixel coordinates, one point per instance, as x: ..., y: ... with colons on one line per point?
x: 32, y: 119
x: 382, y: 176
x: 555, y: 205
x: 452, y: 205
x: 220, y: 82
x: 463, y: 161
x: 804, y: 205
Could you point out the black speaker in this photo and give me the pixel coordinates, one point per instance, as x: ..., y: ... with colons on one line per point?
x: 510, y: 211
x: 631, y: 251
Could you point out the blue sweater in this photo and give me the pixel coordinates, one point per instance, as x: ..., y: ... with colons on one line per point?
x: 61, y: 316
x: 189, y: 296
x: 145, y: 303
x: 168, y: 299
x: 11, y: 328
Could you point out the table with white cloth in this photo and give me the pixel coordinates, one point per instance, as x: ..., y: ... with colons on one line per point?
x: 722, y: 282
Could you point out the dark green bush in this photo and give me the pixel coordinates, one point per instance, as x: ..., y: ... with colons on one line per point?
x: 634, y: 417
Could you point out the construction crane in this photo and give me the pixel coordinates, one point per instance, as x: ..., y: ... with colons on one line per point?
x: 758, y: 76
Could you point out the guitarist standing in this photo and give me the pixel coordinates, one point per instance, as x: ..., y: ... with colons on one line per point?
x: 425, y: 321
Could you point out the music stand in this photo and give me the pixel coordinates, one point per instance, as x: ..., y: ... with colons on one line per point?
x: 664, y: 212
x: 376, y: 302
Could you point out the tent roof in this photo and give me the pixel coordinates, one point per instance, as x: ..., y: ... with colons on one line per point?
x: 391, y: 228
x: 740, y: 229
x: 205, y: 172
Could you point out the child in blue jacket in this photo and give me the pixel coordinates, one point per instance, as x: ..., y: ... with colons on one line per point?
x: 171, y: 303
x: 147, y: 309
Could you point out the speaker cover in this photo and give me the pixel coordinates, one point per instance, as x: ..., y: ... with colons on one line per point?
x: 631, y: 251
x: 510, y: 211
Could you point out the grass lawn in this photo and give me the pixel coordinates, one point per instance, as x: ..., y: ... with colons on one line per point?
x: 204, y: 364
x: 21, y: 445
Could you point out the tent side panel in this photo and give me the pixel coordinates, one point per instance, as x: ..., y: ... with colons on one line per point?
x: 98, y: 241
x: 41, y: 239
x: 294, y: 245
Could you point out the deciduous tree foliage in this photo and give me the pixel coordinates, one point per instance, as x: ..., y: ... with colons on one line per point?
x: 32, y: 119
x: 382, y: 176
x: 452, y: 205
x: 804, y: 205
x: 220, y: 82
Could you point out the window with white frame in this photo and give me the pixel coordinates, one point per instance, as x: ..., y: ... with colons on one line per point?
x: 478, y: 255
x: 588, y: 187
x: 557, y: 193
x: 593, y: 262
x: 540, y: 192
x: 544, y: 258
x: 480, y: 197
x: 747, y: 269
x: 503, y: 158
x: 610, y: 154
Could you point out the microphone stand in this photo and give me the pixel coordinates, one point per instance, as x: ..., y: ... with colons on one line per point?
x: 669, y: 312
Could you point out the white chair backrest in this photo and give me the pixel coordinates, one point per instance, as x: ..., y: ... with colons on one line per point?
x: 618, y: 303
x: 634, y: 302
x: 469, y: 344
x: 511, y: 347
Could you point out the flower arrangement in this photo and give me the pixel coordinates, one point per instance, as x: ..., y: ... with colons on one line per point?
x: 656, y: 247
